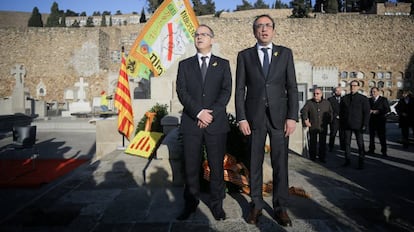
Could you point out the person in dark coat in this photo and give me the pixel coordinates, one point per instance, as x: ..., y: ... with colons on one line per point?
x: 377, y: 120
x: 354, y: 114
x: 405, y: 111
x: 317, y: 115
x: 266, y: 99
x: 204, y: 89
x: 334, y: 127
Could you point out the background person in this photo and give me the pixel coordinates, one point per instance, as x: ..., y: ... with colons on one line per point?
x: 204, y: 120
x: 354, y: 116
x: 267, y: 103
x: 405, y: 111
x: 317, y: 115
x: 377, y: 121
x: 104, y: 101
x: 335, y: 127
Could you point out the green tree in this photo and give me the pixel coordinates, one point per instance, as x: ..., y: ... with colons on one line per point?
x: 106, y: 13
x: 245, y: 6
x: 142, y: 19
x: 153, y: 5
x: 300, y: 9
x: 54, y: 17
x: 118, y: 12
x: 103, y: 21
x: 70, y: 13
x: 83, y: 13
x: 280, y: 5
x: 210, y: 7
x: 35, y: 19
x: 89, y: 22
x: 259, y: 4
x: 96, y: 13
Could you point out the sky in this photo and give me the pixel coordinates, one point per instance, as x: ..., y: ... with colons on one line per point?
x: 90, y: 6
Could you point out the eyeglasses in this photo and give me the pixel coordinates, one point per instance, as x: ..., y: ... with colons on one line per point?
x: 203, y: 35
x: 260, y: 26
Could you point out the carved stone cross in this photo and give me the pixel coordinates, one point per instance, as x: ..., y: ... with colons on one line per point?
x: 81, y: 92
x: 19, y: 72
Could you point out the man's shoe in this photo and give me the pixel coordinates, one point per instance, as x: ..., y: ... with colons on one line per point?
x: 254, y: 215
x: 186, y: 213
x: 220, y: 215
x: 283, y: 218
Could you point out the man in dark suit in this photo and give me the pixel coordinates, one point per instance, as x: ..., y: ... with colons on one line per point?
x: 334, y: 127
x: 267, y: 103
x: 405, y: 111
x: 354, y: 114
x: 204, y: 89
x: 377, y: 121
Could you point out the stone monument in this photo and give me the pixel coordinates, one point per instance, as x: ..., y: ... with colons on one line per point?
x: 80, y: 106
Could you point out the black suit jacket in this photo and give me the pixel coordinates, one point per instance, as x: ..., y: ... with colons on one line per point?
x: 213, y: 94
x: 335, y: 107
x: 354, y: 112
x: 382, y: 106
x: 278, y: 89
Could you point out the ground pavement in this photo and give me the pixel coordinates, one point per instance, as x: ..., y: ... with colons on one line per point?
x: 109, y: 194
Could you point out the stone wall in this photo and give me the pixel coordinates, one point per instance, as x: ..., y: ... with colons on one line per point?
x: 350, y: 42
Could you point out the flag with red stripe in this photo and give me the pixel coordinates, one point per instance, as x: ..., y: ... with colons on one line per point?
x: 123, y: 102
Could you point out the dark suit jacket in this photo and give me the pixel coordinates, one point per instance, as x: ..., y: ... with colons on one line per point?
x: 354, y: 112
x: 213, y: 94
x: 335, y: 107
x: 383, y: 106
x: 405, y: 112
x: 278, y: 89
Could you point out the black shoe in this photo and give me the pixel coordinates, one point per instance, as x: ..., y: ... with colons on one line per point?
x: 186, y: 213
x: 283, y: 218
x: 254, y: 216
x: 219, y: 215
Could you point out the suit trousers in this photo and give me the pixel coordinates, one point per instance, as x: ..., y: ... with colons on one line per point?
x: 279, y: 162
x: 379, y: 129
x: 317, y: 144
x: 334, y: 127
x: 193, y: 155
x: 359, y: 140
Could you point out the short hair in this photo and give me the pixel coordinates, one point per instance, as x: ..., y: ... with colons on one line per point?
x: 209, y: 28
x: 261, y: 16
x: 354, y: 81
x: 376, y: 88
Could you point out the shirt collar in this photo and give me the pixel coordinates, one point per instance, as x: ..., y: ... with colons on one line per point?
x: 270, y: 46
x: 199, y: 55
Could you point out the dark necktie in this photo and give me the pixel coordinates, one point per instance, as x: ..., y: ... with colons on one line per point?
x: 265, y: 61
x: 204, y: 67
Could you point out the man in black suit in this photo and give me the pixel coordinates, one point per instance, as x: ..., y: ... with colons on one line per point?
x: 405, y: 111
x: 377, y: 121
x: 354, y: 114
x: 204, y: 89
x: 334, y: 127
x: 267, y: 103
